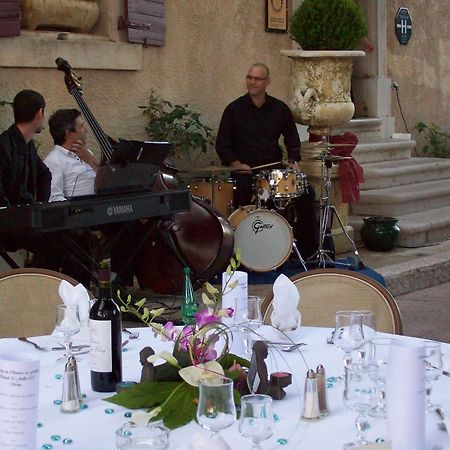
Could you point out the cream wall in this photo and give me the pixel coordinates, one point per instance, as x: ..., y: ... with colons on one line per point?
x: 209, y: 46
x: 421, y: 68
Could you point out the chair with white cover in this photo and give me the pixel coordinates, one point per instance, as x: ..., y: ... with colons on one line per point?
x: 28, y: 299
x: 325, y: 291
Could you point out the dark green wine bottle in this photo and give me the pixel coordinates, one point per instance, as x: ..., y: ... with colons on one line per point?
x: 189, y: 306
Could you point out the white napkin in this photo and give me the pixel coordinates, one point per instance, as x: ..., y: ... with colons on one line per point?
x: 285, y: 316
x: 77, y: 295
x: 274, y: 336
x: 201, y: 441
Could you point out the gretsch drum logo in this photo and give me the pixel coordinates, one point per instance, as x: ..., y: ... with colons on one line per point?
x: 119, y: 210
x: 258, y: 225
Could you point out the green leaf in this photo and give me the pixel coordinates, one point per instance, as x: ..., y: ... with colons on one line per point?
x: 206, y: 300
x: 140, y: 303
x: 211, y: 289
x: 229, y: 359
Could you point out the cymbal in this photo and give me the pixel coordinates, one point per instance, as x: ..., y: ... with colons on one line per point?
x: 207, y: 169
x: 332, y: 158
x: 326, y: 145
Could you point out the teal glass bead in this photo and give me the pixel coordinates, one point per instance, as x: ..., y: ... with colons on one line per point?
x: 47, y: 446
x: 276, y: 418
x: 379, y: 440
x: 40, y: 424
x: 330, y: 385
x: 58, y: 376
x: 67, y: 441
x: 55, y: 437
x: 127, y: 433
x: 124, y: 350
x: 83, y: 395
x: 109, y: 411
x: 84, y: 406
x: 57, y: 402
x: 128, y: 414
x: 282, y: 441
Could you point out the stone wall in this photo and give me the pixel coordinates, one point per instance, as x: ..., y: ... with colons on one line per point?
x: 209, y: 46
x: 421, y: 68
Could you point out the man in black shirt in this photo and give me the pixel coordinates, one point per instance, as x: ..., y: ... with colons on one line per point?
x: 248, y: 136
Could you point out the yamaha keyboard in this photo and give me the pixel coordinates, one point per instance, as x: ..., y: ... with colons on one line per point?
x: 90, y: 211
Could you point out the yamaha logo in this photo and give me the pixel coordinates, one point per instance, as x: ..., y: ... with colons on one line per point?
x: 119, y: 210
x: 258, y: 225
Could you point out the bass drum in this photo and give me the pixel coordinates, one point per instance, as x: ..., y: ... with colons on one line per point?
x: 263, y: 237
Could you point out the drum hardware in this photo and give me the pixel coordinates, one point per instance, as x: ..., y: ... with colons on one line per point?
x: 328, y: 211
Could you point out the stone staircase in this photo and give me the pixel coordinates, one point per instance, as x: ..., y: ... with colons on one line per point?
x: 414, y: 189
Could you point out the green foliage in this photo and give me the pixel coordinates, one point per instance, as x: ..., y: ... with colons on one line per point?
x: 179, y: 125
x: 328, y: 25
x: 437, y: 140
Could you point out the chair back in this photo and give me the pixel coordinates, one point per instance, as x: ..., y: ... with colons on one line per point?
x: 28, y: 299
x: 325, y: 291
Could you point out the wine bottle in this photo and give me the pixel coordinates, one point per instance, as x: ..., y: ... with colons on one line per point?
x: 105, y: 329
x: 189, y: 306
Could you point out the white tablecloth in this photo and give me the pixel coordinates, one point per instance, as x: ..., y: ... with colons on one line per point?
x: 93, y: 428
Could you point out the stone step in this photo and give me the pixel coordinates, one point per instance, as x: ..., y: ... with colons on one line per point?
x: 404, y: 171
x: 377, y: 150
x: 364, y: 127
x: 401, y: 200
x: 416, y: 229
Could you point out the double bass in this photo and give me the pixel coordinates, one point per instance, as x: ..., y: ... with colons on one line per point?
x: 199, y: 238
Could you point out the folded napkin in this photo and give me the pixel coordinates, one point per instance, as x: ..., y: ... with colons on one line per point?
x: 273, y: 335
x: 285, y: 316
x: 203, y: 442
x: 76, y: 295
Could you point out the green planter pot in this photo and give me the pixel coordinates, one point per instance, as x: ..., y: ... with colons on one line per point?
x: 380, y: 234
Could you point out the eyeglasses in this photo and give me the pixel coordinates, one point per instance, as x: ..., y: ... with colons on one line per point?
x: 250, y: 78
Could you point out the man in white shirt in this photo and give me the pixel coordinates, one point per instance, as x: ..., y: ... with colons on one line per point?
x: 72, y: 164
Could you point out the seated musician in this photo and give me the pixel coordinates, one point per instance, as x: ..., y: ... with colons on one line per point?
x: 25, y: 179
x: 248, y: 136
x: 72, y: 164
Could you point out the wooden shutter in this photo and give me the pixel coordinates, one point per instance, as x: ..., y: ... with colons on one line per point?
x: 9, y: 18
x: 145, y: 21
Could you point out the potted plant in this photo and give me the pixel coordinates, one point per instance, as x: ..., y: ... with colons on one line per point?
x: 327, y: 31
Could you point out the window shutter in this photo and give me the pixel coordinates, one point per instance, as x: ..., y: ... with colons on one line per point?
x: 9, y: 18
x: 146, y: 22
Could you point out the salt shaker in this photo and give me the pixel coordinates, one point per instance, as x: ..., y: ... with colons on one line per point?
x: 77, y: 378
x: 311, y: 400
x: 322, y: 390
x: 70, y: 400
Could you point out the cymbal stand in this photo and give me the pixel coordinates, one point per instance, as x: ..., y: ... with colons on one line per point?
x: 327, y: 212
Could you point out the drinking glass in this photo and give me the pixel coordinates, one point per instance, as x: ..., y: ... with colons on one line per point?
x: 255, y: 422
x: 369, y: 333
x: 433, y: 369
x: 348, y: 335
x: 152, y: 436
x: 360, y: 395
x: 252, y: 320
x: 380, y: 357
x: 67, y: 324
x: 216, y: 409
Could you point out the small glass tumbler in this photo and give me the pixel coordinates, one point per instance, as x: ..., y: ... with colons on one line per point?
x: 153, y: 435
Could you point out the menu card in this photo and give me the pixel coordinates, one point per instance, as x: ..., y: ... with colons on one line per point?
x: 405, y: 395
x: 236, y: 298
x: 19, y: 391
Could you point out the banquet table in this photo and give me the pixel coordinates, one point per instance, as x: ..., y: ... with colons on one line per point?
x: 94, y: 427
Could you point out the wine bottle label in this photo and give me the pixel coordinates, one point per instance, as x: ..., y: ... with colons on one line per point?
x: 101, y: 345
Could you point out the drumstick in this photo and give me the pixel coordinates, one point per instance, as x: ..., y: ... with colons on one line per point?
x: 266, y: 165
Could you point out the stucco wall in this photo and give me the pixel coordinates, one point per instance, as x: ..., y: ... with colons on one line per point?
x: 209, y: 46
x: 421, y: 68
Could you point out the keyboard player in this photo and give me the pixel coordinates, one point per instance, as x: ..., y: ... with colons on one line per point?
x: 25, y: 179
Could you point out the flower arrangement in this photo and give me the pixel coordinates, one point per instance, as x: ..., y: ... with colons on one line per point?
x: 173, y: 395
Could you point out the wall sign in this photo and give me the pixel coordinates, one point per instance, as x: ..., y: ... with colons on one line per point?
x: 403, y: 25
x: 277, y: 16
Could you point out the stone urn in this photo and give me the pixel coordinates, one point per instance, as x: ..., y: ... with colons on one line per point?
x: 321, y: 83
x: 65, y: 15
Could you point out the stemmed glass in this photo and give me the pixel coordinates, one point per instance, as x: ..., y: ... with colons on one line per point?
x: 360, y: 395
x: 433, y: 369
x: 369, y: 333
x: 67, y: 324
x: 255, y: 422
x: 216, y: 410
x: 252, y: 320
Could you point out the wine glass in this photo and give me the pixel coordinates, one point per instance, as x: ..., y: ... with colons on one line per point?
x: 433, y: 368
x: 67, y: 324
x: 216, y: 409
x: 369, y: 333
x: 360, y: 395
x: 252, y: 320
x: 380, y: 357
x: 255, y: 422
x: 348, y: 334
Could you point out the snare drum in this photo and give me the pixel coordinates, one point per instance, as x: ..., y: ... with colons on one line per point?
x: 280, y: 183
x: 263, y: 237
x: 218, y: 191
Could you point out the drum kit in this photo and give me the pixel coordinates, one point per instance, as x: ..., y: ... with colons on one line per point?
x: 264, y: 236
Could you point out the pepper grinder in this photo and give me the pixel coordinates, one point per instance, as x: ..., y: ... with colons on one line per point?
x: 70, y: 399
x: 322, y: 390
x: 311, y: 398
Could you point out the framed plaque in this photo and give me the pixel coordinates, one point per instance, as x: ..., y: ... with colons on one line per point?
x: 277, y: 16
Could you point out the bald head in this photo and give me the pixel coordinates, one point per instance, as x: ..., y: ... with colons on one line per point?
x: 263, y: 67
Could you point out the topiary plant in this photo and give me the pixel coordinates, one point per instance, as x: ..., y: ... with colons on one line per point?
x: 328, y: 25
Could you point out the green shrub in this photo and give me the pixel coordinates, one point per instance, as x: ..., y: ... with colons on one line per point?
x: 179, y: 125
x: 437, y: 140
x: 328, y: 25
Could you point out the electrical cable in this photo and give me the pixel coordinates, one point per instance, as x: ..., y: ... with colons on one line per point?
x: 395, y: 87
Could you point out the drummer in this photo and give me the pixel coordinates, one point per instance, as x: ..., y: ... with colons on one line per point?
x: 248, y: 137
